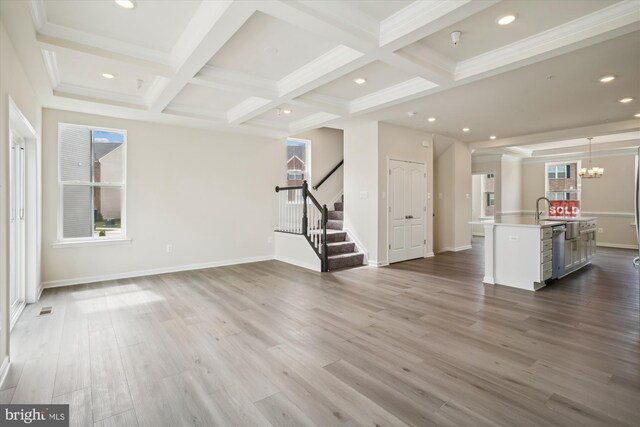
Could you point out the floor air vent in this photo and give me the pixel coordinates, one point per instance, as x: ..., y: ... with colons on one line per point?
x: 45, y: 310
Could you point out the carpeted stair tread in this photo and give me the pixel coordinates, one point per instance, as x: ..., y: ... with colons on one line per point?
x: 340, y: 248
x: 345, y: 260
x: 338, y: 206
x: 334, y: 224
x: 337, y: 215
x: 333, y: 235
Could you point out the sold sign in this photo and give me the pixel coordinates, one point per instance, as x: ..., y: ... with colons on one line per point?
x: 564, y: 208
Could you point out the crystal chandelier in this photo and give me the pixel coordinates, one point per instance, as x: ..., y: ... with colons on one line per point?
x: 592, y: 171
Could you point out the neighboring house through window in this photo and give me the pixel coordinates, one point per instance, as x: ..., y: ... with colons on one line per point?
x: 298, y: 163
x: 488, y: 188
x: 562, y: 187
x: 92, y: 179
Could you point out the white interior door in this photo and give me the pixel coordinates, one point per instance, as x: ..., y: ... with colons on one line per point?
x: 17, y: 166
x: 407, y: 209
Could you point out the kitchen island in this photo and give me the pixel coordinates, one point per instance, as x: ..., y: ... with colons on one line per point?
x: 524, y: 253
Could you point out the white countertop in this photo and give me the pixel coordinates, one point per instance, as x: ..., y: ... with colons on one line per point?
x: 528, y: 221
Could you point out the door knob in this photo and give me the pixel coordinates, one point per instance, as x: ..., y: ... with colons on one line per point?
x: 408, y: 217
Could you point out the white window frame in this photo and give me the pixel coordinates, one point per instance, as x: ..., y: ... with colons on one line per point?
x: 88, y: 241
x: 307, y: 161
x: 578, y: 189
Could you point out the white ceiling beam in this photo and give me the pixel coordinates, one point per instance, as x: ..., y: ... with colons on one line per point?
x: 248, y: 109
x: 224, y: 19
x: 304, y: 77
x: 582, y: 148
x: 409, y: 89
x: 308, y: 78
x: 312, y: 121
x: 423, y: 18
x: 604, y: 24
x: 348, y: 27
x: 560, y: 135
x: 55, y: 44
x: 235, y: 82
x: 96, y: 95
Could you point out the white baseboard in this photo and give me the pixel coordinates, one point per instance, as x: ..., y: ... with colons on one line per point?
x: 430, y: 255
x: 4, y: 370
x: 175, y: 269
x: 456, y: 249
x: 40, y: 289
x: 378, y: 263
x: 616, y: 245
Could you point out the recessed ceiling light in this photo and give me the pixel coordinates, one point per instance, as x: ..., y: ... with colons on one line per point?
x: 286, y: 111
x: 506, y: 19
x: 465, y: 129
x: 411, y: 114
x: 108, y: 76
x: 626, y: 100
x: 127, y: 4
x: 431, y: 119
x: 607, y: 79
x: 360, y: 80
x: 492, y: 137
x: 636, y: 115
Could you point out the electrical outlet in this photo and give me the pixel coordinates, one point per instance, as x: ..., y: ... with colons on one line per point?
x: 600, y: 230
x: 169, y: 248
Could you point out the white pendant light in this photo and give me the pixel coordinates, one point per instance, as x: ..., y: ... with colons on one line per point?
x: 591, y: 171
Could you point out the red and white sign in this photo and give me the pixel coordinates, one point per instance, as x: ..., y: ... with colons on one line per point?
x: 564, y: 208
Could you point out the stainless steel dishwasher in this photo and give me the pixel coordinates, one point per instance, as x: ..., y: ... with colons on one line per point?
x: 557, y: 249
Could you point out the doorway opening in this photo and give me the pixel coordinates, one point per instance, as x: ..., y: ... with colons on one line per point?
x: 483, y: 201
x: 23, y: 214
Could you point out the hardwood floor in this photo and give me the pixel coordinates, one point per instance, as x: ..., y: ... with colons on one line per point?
x: 419, y: 343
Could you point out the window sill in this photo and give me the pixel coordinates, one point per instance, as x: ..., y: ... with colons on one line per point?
x: 83, y: 243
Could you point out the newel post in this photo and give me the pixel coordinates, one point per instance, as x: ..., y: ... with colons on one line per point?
x: 305, y: 219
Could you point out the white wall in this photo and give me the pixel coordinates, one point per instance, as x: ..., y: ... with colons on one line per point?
x: 462, y: 192
x: 511, y: 184
x: 326, y: 152
x: 452, y: 190
x: 14, y: 84
x: 209, y: 194
x: 361, y: 185
x: 400, y: 143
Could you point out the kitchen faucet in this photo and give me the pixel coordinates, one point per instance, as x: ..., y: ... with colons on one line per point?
x: 538, y: 212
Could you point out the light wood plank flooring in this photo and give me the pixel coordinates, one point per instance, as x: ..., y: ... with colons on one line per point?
x: 419, y: 343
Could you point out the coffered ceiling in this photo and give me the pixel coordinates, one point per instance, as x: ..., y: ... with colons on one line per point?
x: 277, y: 68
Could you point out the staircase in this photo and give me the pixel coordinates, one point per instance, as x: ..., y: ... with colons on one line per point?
x: 342, y: 252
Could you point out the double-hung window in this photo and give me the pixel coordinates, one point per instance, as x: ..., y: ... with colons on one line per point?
x: 92, y: 183
x: 562, y: 188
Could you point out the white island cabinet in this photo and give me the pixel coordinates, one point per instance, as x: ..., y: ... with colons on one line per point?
x: 519, y: 252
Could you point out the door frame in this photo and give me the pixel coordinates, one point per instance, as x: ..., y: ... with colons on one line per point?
x: 426, y: 202
x: 473, y: 195
x: 20, y: 126
x: 17, y: 164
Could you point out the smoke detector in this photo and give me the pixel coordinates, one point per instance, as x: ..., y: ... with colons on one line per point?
x: 455, y: 37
